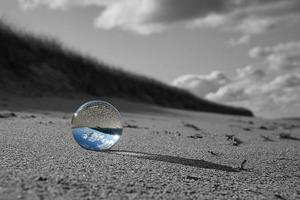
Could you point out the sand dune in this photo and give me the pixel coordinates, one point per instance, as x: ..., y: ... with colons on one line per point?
x: 38, y: 66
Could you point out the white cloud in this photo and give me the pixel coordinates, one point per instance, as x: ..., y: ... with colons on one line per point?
x: 285, y: 82
x: 62, y: 4
x: 228, y: 93
x: 255, y: 25
x: 129, y: 15
x: 148, y: 16
x: 245, y: 84
x: 211, y: 20
x: 275, y: 96
x: 282, y: 87
x: 260, y: 87
x: 250, y: 72
x: 284, y: 56
x: 242, y: 40
x: 206, y: 85
x: 200, y: 85
x: 252, y: 17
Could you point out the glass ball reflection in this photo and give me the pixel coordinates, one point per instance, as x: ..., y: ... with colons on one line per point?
x: 96, y: 125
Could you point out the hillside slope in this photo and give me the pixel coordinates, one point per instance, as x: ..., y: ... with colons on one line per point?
x: 31, y: 65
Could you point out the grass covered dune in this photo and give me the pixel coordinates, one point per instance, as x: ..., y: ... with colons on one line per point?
x: 34, y: 65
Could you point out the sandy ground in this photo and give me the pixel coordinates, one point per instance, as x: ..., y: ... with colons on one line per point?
x: 162, y: 154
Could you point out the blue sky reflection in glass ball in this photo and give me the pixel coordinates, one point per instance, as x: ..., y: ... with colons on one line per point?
x: 97, y: 125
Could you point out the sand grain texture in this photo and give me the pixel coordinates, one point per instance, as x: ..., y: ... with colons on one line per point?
x: 157, y: 157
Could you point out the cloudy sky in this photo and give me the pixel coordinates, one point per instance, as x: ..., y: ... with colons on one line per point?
x: 238, y: 52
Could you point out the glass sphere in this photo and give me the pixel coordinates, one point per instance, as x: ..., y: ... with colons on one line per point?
x: 96, y: 125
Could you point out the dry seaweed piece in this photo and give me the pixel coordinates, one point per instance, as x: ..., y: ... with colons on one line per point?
x: 196, y: 136
x: 263, y: 128
x: 243, y: 165
x: 266, y: 138
x: 41, y: 178
x: 287, y: 136
x: 130, y: 126
x: 134, y: 126
x: 192, y: 178
x: 247, y: 129
x: 237, y: 141
x: 28, y: 116
x: 7, y: 115
x: 279, y: 196
x: 196, y: 128
x: 229, y: 137
x: 212, y: 153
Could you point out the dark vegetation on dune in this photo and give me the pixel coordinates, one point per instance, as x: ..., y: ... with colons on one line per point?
x: 31, y: 65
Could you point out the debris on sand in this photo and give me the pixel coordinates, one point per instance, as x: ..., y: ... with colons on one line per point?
x: 196, y: 136
x: 279, y: 196
x: 247, y: 129
x: 46, y: 123
x: 41, y: 178
x: 212, y: 153
x: 174, y: 133
x: 235, y: 141
x: 287, y: 136
x: 242, y: 167
x: 196, y: 128
x: 266, y: 138
x: 130, y: 126
x: 192, y: 178
x: 263, y: 128
x: 7, y: 115
x: 28, y: 117
x: 229, y: 137
x: 134, y: 126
